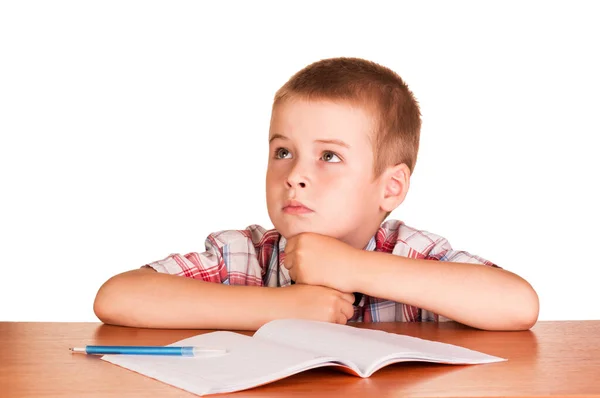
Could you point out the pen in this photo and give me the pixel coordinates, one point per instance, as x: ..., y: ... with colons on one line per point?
x: 188, y: 351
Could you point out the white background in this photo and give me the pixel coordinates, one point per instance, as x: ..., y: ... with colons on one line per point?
x: 131, y: 130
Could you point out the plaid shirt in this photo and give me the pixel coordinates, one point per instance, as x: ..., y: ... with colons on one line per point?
x: 247, y: 257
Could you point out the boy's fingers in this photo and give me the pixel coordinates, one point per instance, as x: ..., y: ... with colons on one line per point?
x: 348, y: 310
x: 292, y: 273
x: 349, y: 297
x: 341, y: 319
x: 289, y: 245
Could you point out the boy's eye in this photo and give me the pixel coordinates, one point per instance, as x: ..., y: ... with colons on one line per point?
x: 329, y: 156
x: 281, y: 153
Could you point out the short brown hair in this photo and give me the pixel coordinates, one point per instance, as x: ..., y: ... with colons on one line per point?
x: 368, y: 85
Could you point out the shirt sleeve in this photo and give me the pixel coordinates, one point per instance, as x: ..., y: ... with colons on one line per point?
x: 442, y: 251
x: 229, y: 258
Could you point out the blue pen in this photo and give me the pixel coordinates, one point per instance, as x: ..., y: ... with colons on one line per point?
x: 188, y: 351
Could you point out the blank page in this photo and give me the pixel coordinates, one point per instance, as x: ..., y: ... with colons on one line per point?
x: 249, y: 362
x: 367, y: 349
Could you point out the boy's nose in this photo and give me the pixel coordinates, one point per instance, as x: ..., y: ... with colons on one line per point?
x: 296, y: 179
x: 300, y: 184
x: 293, y: 182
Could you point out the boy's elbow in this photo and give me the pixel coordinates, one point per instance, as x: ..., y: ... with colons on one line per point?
x: 518, y: 314
x: 529, y: 309
x: 104, y: 303
x: 116, y: 300
x: 111, y: 299
x: 101, y: 311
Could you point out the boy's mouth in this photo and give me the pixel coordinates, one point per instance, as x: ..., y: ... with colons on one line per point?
x: 296, y: 210
x: 295, y: 207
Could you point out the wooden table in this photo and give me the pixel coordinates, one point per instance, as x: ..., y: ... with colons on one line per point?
x: 554, y: 358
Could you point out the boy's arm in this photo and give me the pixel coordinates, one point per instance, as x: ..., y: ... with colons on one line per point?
x: 473, y: 294
x: 146, y: 298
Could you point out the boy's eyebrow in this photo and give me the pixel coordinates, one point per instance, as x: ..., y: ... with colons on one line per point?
x: 335, y: 142
x: 274, y: 136
x: 332, y: 141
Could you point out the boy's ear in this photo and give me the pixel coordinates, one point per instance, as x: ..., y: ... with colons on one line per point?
x: 395, y: 181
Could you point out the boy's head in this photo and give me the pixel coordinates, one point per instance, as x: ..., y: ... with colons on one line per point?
x: 343, y: 142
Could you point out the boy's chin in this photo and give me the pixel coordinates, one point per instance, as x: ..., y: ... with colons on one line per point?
x: 289, y: 231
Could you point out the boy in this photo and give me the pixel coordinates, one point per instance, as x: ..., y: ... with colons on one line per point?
x: 343, y: 141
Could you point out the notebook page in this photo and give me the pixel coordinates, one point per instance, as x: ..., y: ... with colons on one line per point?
x: 367, y: 349
x: 248, y: 363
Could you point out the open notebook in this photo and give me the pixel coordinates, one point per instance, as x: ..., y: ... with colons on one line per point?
x: 288, y: 346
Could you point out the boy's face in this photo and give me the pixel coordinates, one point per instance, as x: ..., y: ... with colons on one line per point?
x: 320, y: 171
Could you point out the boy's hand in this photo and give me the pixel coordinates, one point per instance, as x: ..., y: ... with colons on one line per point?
x: 317, y: 303
x: 320, y: 260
